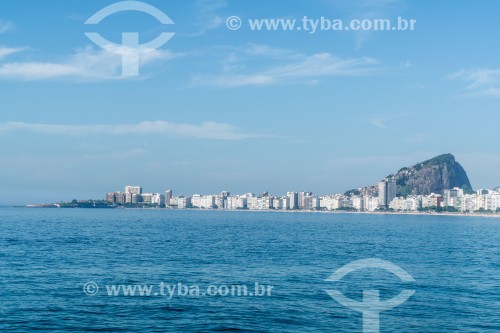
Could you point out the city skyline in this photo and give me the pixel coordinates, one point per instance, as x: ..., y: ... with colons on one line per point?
x: 247, y: 110
x: 451, y: 200
x: 387, y: 187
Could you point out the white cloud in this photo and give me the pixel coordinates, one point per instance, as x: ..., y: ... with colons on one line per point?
x: 485, y: 82
x: 268, y: 51
x: 207, y: 130
x: 206, y: 16
x: 85, y: 64
x: 237, y: 59
x: 7, y: 51
x: 298, y: 69
x: 6, y: 26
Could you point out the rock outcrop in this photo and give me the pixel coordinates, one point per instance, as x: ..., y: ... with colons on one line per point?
x: 432, y: 176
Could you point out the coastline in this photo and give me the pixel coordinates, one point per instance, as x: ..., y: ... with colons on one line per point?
x: 458, y: 214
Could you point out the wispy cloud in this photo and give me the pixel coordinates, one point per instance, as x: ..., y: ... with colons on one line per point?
x: 7, y: 51
x: 482, y: 82
x: 298, y: 68
x: 207, y: 130
x: 207, y: 16
x: 84, y: 64
x: 253, y: 49
x: 6, y: 26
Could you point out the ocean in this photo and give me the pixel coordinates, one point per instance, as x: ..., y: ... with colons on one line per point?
x: 58, y: 268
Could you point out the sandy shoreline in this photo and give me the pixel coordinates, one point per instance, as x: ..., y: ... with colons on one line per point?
x: 493, y: 215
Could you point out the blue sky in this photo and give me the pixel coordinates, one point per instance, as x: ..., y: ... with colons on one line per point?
x: 247, y: 111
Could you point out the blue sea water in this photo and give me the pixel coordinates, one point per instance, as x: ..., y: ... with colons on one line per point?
x: 48, y: 255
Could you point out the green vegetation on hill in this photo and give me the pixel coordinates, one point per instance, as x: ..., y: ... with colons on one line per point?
x: 352, y: 192
x: 86, y: 204
x: 439, y: 160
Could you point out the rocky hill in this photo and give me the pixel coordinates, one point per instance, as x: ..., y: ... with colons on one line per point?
x: 432, y: 176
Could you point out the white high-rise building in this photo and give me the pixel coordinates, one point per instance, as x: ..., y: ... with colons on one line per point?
x: 358, y: 203
x: 183, y: 202
x: 316, y: 203
x: 158, y: 199
x: 133, y: 189
x: 207, y: 201
x: 196, y: 200
x: 307, y: 202
x: 147, y: 198
x: 285, y: 203
x: 370, y: 203
x: 301, y: 198
x: 495, y: 201
x: 260, y: 203
x: 453, y: 197
x: 406, y: 204
x: 469, y: 203
x: 331, y: 202
x: 277, y: 203
x: 294, y: 200
x: 252, y: 203
x: 382, y: 193
x: 237, y: 202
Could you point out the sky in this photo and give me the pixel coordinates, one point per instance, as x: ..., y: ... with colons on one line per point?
x: 246, y: 111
